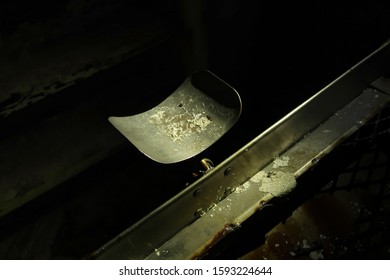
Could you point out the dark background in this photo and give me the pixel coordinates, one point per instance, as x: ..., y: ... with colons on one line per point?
x: 275, y: 55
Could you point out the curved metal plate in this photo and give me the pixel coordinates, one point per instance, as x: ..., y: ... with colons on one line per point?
x: 190, y: 120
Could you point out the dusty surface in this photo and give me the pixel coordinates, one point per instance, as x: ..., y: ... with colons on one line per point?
x: 180, y: 126
x: 277, y: 183
x: 43, y: 68
x: 348, y: 219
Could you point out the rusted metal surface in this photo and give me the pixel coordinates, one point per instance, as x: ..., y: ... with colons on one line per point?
x: 275, y: 180
x: 347, y: 217
x: 214, y: 188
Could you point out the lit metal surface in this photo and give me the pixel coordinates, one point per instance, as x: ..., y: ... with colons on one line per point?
x: 276, y: 179
x: 190, y: 120
x: 165, y: 232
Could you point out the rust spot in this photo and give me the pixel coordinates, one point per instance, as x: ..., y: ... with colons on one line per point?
x: 228, y: 228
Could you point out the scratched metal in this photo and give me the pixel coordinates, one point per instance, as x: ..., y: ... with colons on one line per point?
x: 190, y: 120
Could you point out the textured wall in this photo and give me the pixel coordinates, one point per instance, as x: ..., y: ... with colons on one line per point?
x: 46, y: 46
